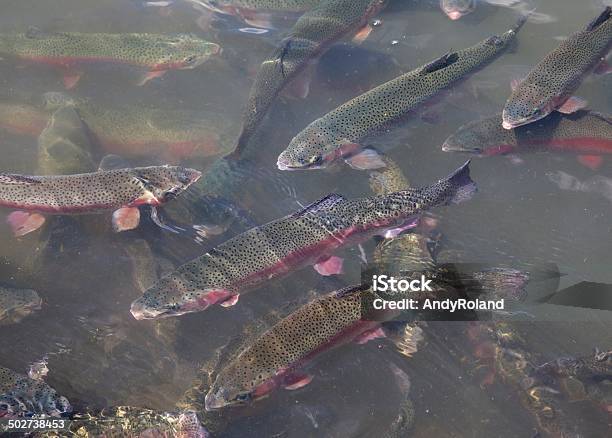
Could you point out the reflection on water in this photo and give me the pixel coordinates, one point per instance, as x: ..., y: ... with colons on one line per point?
x: 531, y: 210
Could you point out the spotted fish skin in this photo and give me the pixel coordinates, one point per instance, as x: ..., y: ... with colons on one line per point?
x: 96, y: 191
x: 136, y: 131
x: 246, y: 9
x: 559, y: 74
x: 336, y: 134
x: 21, y: 396
x: 262, y: 366
x: 15, y: 304
x: 281, y: 246
x: 583, y: 132
x: 311, y: 35
x: 153, y: 51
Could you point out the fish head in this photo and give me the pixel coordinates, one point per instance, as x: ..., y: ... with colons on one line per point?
x: 167, y: 182
x: 471, y: 138
x: 236, y: 384
x: 314, y: 148
x: 528, y: 103
x: 455, y: 9
x: 172, y: 296
x: 186, y: 51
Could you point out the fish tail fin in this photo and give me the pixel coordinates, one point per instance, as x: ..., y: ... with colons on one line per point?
x: 601, y: 19
x: 503, y: 283
x: 462, y: 186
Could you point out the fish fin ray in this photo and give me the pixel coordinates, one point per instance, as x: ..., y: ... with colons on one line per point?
x: 362, y: 34
x: 22, y: 222
x: 601, y: 19
x: 125, y: 218
x: 573, y: 104
x: 322, y: 204
x: 440, y: 63
x: 329, y: 266
x: 296, y: 381
x: 149, y: 75
x: 365, y: 160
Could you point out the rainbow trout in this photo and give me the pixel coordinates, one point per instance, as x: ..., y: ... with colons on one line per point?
x: 583, y: 133
x: 122, y: 190
x: 258, y: 13
x: 136, y: 131
x: 550, y: 85
x: 307, y: 237
x: 156, y: 53
x: 21, y: 396
x: 277, y: 356
x: 309, y: 37
x: 16, y: 304
x: 336, y: 135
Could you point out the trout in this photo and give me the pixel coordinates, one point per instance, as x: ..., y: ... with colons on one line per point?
x: 550, y: 85
x: 16, y: 304
x: 21, y: 396
x: 307, y: 237
x: 136, y: 131
x: 313, y: 33
x: 68, y: 50
x: 277, y: 356
x: 258, y: 13
x: 587, y: 134
x: 336, y: 135
x: 122, y: 190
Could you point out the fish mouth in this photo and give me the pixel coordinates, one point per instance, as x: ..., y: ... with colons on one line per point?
x: 140, y: 312
x: 454, y: 15
x: 212, y: 402
x: 283, y: 164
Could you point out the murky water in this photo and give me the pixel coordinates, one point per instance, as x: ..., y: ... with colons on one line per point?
x: 87, y: 276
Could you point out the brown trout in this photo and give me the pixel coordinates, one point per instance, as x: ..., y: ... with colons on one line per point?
x: 309, y: 37
x: 336, y: 135
x: 122, y: 190
x: 21, y: 396
x: 16, y: 304
x: 137, y: 131
x: 69, y: 50
x: 550, y: 85
x: 587, y: 134
x: 277, y: 248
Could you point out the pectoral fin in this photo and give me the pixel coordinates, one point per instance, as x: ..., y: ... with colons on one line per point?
x: 593, y: 162
x: 572, y: 105
x: 367, y: 159
x: 329, y: 266
x: 363, y: 34
x: 71, y: 79
x: 22, y: 222
x: 150, y: 75
x: 232, y: 300
x: 370, y: 335
x: 126, y: 218
x: 296, y: 381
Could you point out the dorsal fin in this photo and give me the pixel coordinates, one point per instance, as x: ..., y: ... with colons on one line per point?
x: 440, y: 63
x: 601, y: 19
x: 349, y: 290
x: 322, y: 204
x: 10, y: 178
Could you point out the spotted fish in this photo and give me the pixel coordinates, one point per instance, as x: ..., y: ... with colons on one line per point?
x: 16, y: 304
x: 258, y: 13
x: 156, y: 53
x: 455, y: 9
x: 21, y: 396
x: 336, y: 134
x: 122, y: 190
x: 276, y: 358
x: 311, y: 35
x: 587, y: 134
x: 307, y: 237
x: 137, y: 131
x: 550, y: 85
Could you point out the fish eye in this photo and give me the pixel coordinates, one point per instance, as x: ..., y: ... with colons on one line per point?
x: 315, y: 159
x: 243, y: 397
x: 190, y: 59
x: 537, y: 112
